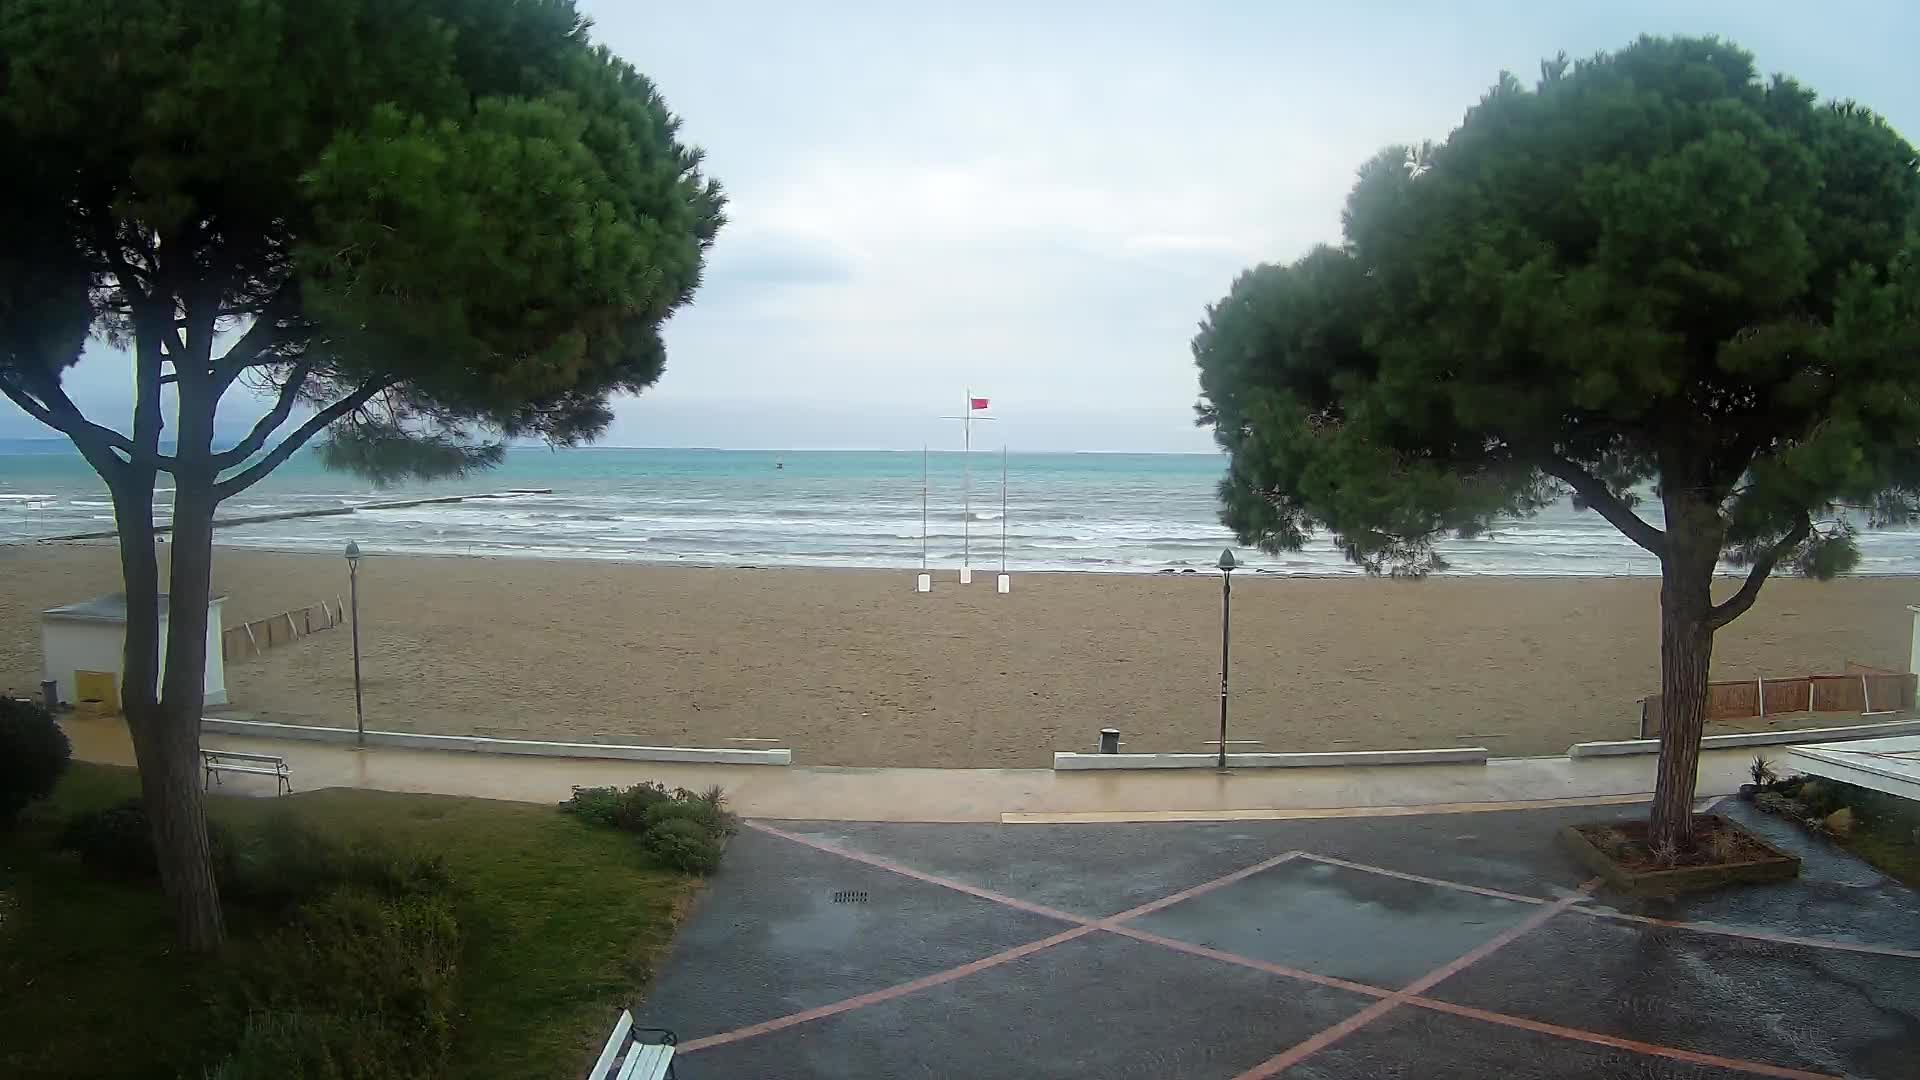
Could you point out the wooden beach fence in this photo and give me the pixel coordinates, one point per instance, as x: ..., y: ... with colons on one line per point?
x: 1862, y: 689
x: 256, y: 637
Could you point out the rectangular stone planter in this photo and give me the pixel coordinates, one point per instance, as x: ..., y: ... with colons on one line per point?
x: 1778, y: 866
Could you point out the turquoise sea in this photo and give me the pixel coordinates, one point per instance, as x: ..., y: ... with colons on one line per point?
x: 1092, y: 512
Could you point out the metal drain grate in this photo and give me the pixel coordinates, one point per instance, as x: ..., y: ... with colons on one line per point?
x: 850, y: 896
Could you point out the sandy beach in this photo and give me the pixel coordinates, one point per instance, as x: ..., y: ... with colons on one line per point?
x: 850, y: 667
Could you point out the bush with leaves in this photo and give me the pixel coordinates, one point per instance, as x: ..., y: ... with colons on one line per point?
x: 277, y: 865
x: 711, y: 819
x: 284, y: 862
x: 33, y: 755
x: 682, y: 844
x: 361, y: 985
x: 118, y: 840
x: 617, y: 808
x: 680, y: 829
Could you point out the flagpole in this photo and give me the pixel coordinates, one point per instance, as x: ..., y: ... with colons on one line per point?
x: 1003, y: 508
x: 923, y: 506
x: 966, y: 488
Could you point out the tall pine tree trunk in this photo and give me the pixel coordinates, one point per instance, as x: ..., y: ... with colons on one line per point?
x: 179, y: 808
x: 163, y: 709
x: 176, y: 800
x: 1694, y: 534
x: 166, y: 751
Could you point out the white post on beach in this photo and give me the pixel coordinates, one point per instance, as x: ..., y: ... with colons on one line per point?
x: 923, y: 582
x: 966, y: 486
x: 1003, y: 583
x: 966, y: 492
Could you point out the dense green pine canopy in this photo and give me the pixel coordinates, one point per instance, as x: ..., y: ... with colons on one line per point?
x: 1653, y: 267
x: 424, y: 217
x: 423, y: 226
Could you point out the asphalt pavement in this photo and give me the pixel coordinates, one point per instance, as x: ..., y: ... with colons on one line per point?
x: 1459, y: 945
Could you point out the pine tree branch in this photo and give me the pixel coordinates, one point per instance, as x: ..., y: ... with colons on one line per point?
x: 264, y: 428
x: 316, y: 423
x: 50, y: 405
x: 27, y: 404
x: 265, y: 333
x: 1736, y: 605
x: 1597, y: 495
x: 130, y: 280
x: 97, y: 451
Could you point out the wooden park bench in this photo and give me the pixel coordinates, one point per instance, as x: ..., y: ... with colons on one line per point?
x: 627, y: 1058
x: 225, y: 761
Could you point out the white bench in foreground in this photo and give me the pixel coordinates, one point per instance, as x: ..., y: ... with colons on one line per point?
x: 641, y: 1060
x: 226, y: 761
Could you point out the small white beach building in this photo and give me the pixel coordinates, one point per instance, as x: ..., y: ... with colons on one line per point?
x: 90, y: 636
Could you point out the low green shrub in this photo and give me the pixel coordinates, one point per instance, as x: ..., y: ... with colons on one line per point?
x: 277, y: 865
x: 283, y: 1044
x: 682, y: 844
x: 593, y: 805
x: 361, y: 985
x: 712, y: 820
x: 284, y: 862
x: 680, y: 829
x: 114, y: 840
x: 617, y: 808
x: 33, y: 754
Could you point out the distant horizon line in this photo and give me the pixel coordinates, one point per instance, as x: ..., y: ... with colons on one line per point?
x: 866, y: 450
x: 61, y: 441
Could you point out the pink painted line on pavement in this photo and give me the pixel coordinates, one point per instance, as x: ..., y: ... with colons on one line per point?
x: 1704, y: 928
x: 1615, y: 1041
x: 1086, y: 926
x: 1506, y: 1019
x: 1300, y: 1052
x: 1412, y: 994
x: 1247, y: 961
x: 1443, y: 883
x: 918, y: 875
x: 1014, y: 902
x: 888, y: 994
x: 1205, y: 887
x: 1757, y: 935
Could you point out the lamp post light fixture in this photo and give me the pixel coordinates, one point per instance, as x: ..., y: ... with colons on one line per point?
x: 1227, y: 563
x: 353, y: 594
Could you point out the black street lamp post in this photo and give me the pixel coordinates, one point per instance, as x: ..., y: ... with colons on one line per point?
x: 1227, y: 563
x: 353, y: 593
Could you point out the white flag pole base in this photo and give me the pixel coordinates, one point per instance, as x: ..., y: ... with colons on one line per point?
x: 1003, y: 583
x: 923, y: 583
x: 966, y: 575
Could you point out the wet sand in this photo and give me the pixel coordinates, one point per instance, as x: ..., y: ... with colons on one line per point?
x: 851, y: 667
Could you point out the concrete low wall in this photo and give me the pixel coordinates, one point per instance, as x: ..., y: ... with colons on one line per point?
x: 695, y: 755
x: 1452, y: 755
x: 1751, y: 738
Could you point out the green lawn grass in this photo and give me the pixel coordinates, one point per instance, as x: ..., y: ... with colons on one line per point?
x: 562, y: 923
x: 1898, y: 856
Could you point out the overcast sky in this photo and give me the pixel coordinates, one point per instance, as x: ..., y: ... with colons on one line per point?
x: 1037, y: 201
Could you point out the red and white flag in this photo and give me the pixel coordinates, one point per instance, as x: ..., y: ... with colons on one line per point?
x: 977, y: 403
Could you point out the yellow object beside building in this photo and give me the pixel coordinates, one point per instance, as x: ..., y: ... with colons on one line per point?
x: 96, y: 693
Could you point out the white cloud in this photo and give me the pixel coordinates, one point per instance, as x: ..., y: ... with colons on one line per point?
x: 1038, y: 201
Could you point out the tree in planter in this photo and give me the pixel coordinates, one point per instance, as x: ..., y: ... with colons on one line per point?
x: 1653, y: 271
x: 421, y: 227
